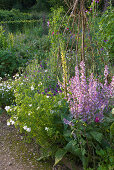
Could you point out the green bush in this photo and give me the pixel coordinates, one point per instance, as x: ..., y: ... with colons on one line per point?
x: 106, y: 31
x: 39, y: 107
x: 13, y: 14
x: 8, y: 63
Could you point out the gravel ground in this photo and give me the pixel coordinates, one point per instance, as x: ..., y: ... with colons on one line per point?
x: 15, y: 154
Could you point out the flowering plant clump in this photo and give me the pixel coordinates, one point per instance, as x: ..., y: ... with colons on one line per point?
x: 88, y: 99
x: 6, y: 93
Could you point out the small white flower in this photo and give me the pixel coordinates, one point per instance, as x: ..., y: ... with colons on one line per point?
x: 32, y: 88
x: 47, y: 96
x: 7, y: 108
x: 59, y: 102
x: 45, y: 71
x: 30, y: 105
x: 52, y: 111
x: 113, y: 111
x: 9, y: 87
x: 28, y: 129
x: 12, y: 122
x: 8, y: 123
x: 37, y: 108
x: 40, y: 84
x: 46, y: 128
x: 25, y: 127
x: 15, y: 117
x: 17, y: 75
x: 21, y: 83
x: 29, y: 113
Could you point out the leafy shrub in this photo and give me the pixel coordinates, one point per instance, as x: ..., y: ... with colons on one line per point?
x: 8, y: 63
x: 39, y: 107
x: 88, y: 127
x: 106, y: 31
x: 90, y: 143
x: 13, y: 14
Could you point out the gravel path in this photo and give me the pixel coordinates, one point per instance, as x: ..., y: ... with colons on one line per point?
x: 15, y: 154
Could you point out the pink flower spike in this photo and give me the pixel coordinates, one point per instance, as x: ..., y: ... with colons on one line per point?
x: 52, y: 33
x: 106, y: 71
x: 97, y: 119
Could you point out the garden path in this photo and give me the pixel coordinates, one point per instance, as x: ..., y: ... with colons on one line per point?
x: 15, y: 154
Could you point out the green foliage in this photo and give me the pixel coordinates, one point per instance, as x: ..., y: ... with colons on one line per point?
x: 3, y: 38
x: 6, y: 94
x: 13, y: 14
x: 18, y: 49
x: 59, y: 155
x: 106, y: 31
x: 56, y: 27
x: 8, y: 63
x: 90, y: 142
x: 39, y: 108
x: 106, y: 159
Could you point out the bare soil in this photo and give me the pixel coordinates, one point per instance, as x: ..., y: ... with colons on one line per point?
x: 16, y: 154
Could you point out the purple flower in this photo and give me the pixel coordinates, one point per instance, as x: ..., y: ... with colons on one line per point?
x: 105, y: 40
x: 85, y: 99
x: 56, y: 90
x: 102, y: 49
x: 97, y: 119
x: 67, y: 122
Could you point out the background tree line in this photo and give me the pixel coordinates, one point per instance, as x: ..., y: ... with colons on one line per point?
x: 44, y: 5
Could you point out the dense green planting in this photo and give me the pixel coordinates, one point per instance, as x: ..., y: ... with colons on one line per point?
x: 62, y: 96
x: 13, y: 14
x: 17, y: 49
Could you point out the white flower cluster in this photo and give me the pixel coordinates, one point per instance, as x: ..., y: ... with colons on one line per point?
x: 8, y: 108
x: 59, y: 102
x: 37, y: 108
x: 47, y: 96
x: 16, y: 76
x: 46, y: 128
x: 40, y: 84
x: 27, y: 129
x: 32, y: 88
x: 10, y: 122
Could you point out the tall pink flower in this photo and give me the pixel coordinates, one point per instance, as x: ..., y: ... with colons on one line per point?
x: 88, y: 100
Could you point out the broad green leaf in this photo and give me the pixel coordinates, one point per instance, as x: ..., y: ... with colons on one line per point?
x: 59, y: 155
x: 96, y: 135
